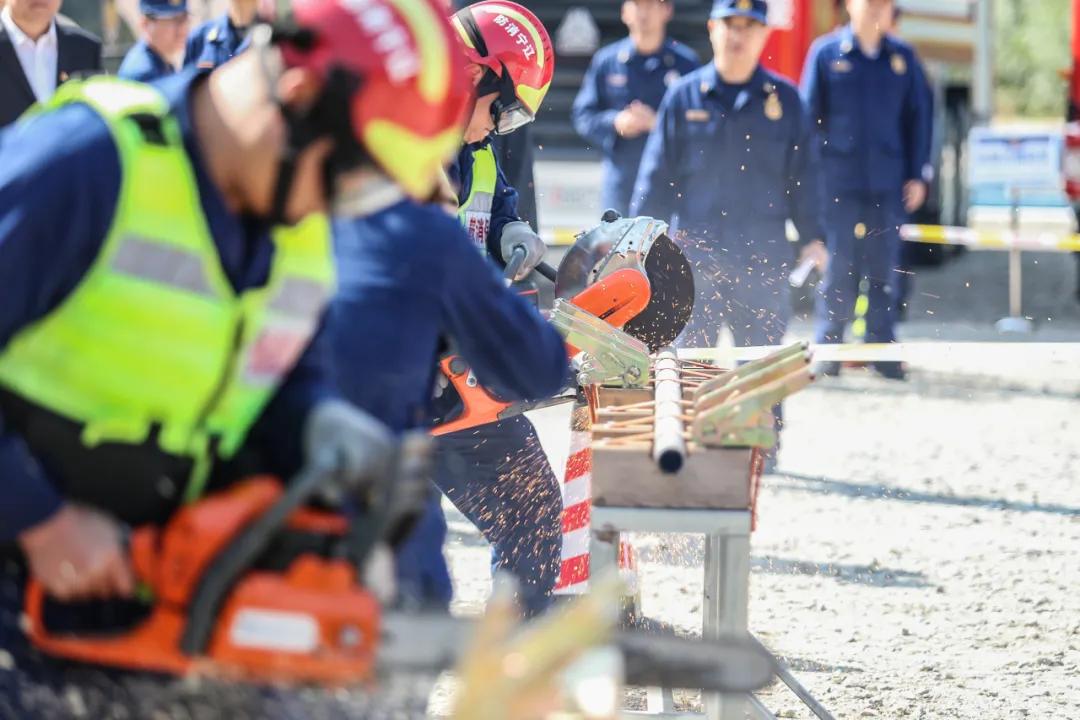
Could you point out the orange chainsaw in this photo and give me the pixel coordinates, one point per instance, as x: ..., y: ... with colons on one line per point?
x: 625, y: 272
x: 252, y: 585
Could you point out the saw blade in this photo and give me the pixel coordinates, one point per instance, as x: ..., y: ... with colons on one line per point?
x: 671, y: 283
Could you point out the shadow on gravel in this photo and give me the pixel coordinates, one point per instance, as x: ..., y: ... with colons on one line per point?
x: 827, y: 486
x: 873, y: 575
x: 804, y: 665
x: 688, y: 551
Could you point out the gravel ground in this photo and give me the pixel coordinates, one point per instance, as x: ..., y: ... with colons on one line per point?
x: 918, y: 555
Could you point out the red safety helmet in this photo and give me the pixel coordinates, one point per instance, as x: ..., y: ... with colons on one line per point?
x: 397, y: 68
x: 514, y: 46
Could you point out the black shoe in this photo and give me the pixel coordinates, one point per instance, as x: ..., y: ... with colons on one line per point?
x: 890, y: 370
x: 829, y: 368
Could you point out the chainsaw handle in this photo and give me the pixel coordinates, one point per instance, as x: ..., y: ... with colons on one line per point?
x: 242, y: 552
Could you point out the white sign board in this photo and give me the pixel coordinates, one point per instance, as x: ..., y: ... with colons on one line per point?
x: 1003, y: 162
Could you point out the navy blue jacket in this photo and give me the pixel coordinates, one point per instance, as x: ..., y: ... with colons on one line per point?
x: 409, y: 276
x: 504, y: 204
x: 142, y: 64
x: 732, y: 165
x: 618, y: 75
x: 59, y: 182
x: 212, y: 43
x: 874, y: 115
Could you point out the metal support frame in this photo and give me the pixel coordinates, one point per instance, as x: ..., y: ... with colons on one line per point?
x: 725, y: 601
x: 1015, y: 322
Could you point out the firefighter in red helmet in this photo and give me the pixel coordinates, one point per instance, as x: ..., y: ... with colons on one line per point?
x: 497, y: 474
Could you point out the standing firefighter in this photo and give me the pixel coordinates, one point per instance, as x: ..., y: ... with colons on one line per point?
x: 730, y: 161
x: 163, y: 24
x: 616, y: 106
x: 867, y: 94
x: 166, y: 258
x: 218, y: 39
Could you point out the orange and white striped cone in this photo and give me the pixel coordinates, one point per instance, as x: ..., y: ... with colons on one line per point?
x: 576, y: 515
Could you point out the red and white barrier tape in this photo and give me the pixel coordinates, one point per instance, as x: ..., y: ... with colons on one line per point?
x: 577, y: 512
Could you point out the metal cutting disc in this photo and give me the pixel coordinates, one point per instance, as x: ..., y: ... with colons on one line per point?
x: 671, y: 281
x: 640, y: 243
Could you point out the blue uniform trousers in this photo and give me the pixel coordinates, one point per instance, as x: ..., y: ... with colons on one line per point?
x: 498, y: 476
x: 750, y: 296
x: 863, y: 235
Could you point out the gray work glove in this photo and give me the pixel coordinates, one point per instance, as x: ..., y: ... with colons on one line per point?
x: 339, y: 435
x: 519, y: 233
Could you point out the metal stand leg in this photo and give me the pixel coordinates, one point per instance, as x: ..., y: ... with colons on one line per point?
x: 659, y: 700
x: 1016, y: 322
x: 726, y: 606
x: 603, y: 551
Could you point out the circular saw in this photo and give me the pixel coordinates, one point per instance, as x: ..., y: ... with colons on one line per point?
x: 635, y: 250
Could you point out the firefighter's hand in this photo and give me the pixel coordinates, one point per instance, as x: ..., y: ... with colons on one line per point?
x: 816, y: 251
x: 635, y: 120
x: 646, y: 115
x: 341, y: 437
x: 519, y: 233
x: 78, y: 554
x: 914, y: 195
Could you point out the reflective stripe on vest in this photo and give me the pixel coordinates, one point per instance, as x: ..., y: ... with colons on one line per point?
x: 154, y: 334
x: 475, y: 212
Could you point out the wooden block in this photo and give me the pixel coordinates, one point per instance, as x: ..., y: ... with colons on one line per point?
x: 617, y: 397
x: 624, y: 473
x: 710, y: 479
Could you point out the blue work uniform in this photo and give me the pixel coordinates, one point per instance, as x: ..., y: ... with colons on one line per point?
x: 143, y: 64
x: 729, y: 165
x: 409, y: 278
x: 874, y: 123
x: 618, y: 75
x: 510, y: 491
x: 503, y: 204
x: 59, y: 183
x: 214, y: 42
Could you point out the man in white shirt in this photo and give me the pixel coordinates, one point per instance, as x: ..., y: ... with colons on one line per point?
x: 37, y: 54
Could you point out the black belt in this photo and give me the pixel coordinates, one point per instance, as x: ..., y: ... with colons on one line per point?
x: 136, y: 483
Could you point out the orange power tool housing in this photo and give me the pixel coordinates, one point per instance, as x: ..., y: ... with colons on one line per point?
x: 311, y: 623
x: 617, y: 299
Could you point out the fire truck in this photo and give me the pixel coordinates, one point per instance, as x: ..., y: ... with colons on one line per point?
x: 1072, y: 130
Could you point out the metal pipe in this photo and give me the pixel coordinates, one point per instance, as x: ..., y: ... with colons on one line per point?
x: 669, y: 447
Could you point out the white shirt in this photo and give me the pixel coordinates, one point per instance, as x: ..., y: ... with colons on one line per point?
x: 38, y: 58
